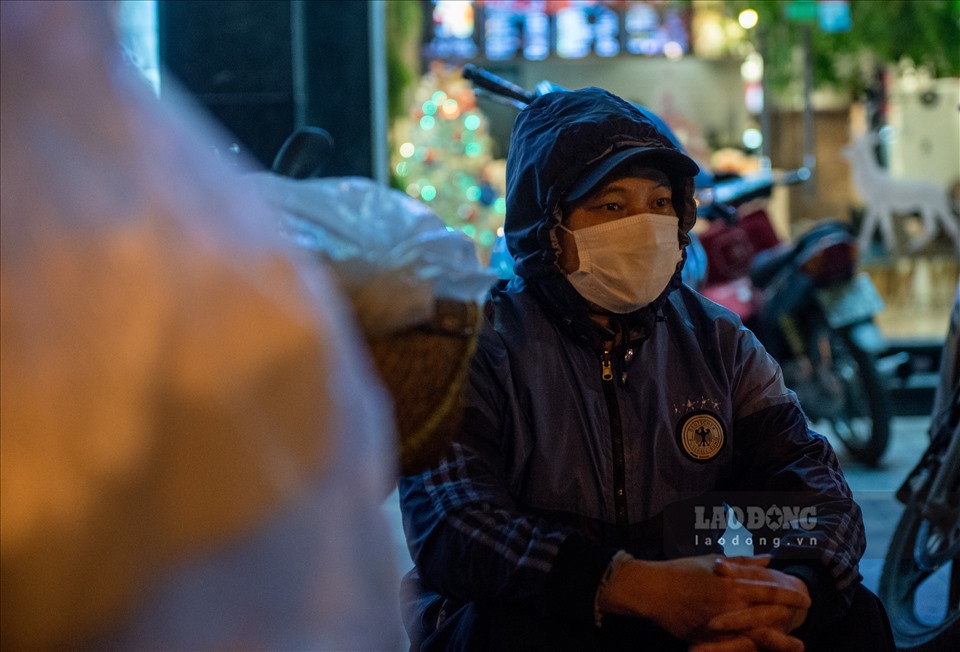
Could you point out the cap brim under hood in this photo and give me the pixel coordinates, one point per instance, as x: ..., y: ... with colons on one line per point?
x: 671, y: 161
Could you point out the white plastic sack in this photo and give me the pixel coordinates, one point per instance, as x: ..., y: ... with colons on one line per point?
x: 392, y: 255
x: 193, y: 445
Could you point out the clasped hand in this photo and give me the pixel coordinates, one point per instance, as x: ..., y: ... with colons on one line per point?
x: 719, y: 604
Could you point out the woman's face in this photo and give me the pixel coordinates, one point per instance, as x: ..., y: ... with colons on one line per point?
x: 612, y: 200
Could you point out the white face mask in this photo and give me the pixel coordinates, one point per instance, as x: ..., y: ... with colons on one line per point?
x: 626, y: 264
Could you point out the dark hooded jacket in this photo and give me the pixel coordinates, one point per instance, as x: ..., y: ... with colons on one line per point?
x: 573, y: 447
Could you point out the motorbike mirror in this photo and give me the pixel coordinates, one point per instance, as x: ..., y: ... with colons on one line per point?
x: 304, y: 153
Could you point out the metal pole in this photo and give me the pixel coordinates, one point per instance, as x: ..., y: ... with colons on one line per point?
x: 765, y: 110
x: 809, y: 135
x: 298, y: 59
x: 379, y: 150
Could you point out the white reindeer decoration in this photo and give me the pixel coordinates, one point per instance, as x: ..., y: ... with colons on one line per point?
x: 885, y: 196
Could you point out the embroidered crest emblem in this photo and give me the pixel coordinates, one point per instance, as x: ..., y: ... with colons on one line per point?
x: 700, y: 436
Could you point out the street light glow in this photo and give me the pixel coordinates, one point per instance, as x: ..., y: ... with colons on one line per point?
x: 748, y: 19
x: 752, y: 138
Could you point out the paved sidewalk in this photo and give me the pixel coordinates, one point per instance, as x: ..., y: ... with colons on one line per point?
x: 874, y: 488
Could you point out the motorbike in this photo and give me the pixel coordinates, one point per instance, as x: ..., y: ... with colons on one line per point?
x: 804, y: 300
x: 922, y: 558
x: 809, y: 306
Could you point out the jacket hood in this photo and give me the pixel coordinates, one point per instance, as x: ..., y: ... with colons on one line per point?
x: 554, y: 140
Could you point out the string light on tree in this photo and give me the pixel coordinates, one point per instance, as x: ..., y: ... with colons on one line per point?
x: 444, y: 157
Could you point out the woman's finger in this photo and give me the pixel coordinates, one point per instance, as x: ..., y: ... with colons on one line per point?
x: 756, y: 560
x: 741, y: 566
x: 735, y: 644
x: 759, y: 616
x: 761, y: 592
x: 773, y: 640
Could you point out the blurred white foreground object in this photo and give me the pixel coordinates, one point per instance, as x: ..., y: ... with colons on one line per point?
x: 194, y: 445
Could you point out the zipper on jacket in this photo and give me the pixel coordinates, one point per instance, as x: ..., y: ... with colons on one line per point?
x: 606, y: 365
x: 616, y: 439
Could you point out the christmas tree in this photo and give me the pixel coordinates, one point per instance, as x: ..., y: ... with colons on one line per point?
x: 443, y: 155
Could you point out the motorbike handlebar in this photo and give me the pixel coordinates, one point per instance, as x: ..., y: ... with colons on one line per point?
x: 498, y: 85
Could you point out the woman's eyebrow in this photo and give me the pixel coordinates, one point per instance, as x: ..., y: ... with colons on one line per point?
x: 621, y: 185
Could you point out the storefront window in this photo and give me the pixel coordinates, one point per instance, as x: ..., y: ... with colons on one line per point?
x: 502, y: 30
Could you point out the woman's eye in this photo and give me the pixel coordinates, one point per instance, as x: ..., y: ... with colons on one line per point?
x: 612, y: 206
x: 662, y: 202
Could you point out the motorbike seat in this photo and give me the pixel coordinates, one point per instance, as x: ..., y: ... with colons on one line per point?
x: 767, y: 264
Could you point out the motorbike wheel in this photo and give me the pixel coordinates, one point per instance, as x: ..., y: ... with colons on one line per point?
x: 922, y: 557
x: 860, y: 417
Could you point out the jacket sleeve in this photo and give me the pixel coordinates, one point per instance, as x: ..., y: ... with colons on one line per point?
x: 466, y: 534
x: 792, y: 491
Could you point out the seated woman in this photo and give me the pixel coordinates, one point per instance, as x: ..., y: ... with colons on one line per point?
x: 614, y: 419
